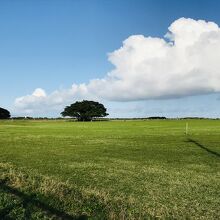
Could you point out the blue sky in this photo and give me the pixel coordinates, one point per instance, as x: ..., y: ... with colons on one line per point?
x: 53, y: 44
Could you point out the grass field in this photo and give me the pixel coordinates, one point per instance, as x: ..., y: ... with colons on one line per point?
x: 110, y: 170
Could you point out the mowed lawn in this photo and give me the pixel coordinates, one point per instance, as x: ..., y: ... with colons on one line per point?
x: 110, y: 170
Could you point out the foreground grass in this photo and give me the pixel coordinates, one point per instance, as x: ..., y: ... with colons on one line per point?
x: 110, y: 170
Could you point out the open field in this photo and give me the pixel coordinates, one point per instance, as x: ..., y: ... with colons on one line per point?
x: 110, y: 170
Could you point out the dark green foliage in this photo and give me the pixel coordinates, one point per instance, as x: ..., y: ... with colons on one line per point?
x: 85, y: 110
x: 156, y: 117
x: 4, y: 114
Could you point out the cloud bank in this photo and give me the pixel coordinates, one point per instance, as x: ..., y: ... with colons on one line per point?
x: 183, y: 63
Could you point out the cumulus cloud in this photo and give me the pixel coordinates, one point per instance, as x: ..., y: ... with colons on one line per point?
x: 183, y: 63
x: 39, y: 101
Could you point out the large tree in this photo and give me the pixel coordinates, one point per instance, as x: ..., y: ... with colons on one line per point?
x: 85, y: 110
x: 4, y: 113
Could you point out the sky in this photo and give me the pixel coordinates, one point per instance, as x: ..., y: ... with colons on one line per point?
x: 140, y: 58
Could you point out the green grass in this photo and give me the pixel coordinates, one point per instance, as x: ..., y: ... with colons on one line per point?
x: 110, y: 170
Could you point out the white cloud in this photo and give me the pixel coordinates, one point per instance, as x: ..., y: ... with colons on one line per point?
x: 184, y: 63
x: 40, y: 102
x: 39, y: 93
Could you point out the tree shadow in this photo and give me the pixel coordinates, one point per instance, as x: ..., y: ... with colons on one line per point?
x: 203, y: 147
x: 31, y: 200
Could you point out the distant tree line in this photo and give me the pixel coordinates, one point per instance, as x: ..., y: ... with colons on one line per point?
x: 87, y: 111
x: 157, y: 117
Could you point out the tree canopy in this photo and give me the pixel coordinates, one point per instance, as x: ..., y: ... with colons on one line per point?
x: 85, y: 110
x: 4, y: 113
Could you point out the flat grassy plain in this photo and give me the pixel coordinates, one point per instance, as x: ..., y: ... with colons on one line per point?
x: 110, y: 170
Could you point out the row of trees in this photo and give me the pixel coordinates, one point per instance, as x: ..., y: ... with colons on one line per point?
x: 82, y: 111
